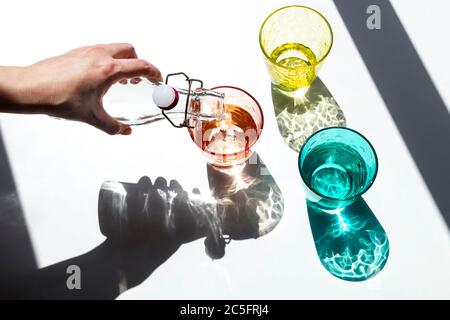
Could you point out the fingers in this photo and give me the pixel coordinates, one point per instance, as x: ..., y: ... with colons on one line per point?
x: 132, y: 81
x: 161, y: 183
x: 120, y: 50
x: 145, y: 182
x: 128, y: 65
x: 134, y: 68
x: 135, y: 80
x: 108, y: 124
x: 176, y: 186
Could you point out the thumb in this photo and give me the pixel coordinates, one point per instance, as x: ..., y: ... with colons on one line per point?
x: 110, y: 125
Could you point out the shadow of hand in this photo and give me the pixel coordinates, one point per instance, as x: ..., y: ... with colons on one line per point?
x: 145, y: 223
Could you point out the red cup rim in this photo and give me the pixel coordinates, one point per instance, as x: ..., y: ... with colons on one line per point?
x: 252, y: 97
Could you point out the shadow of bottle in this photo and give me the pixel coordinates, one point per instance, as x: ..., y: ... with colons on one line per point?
x: 350, y: 242
x: 301, y: 113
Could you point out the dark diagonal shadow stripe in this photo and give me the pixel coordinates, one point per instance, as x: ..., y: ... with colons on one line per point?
x: 408, y: 92
x: 16, y: 253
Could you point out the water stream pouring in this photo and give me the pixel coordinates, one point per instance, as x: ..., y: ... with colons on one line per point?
x: 181, y: 106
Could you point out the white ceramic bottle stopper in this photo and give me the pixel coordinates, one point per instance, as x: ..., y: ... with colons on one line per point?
x: 165, y: 96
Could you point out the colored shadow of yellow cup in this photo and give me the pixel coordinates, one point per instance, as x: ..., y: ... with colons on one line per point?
x: 295, y: 41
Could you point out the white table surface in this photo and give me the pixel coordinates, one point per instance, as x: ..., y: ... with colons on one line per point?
x: 59, y: 166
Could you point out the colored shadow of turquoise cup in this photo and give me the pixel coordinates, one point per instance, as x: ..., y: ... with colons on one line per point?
x: 337, y: 166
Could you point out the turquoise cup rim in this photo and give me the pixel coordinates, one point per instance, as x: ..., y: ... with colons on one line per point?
x: 344, y: 129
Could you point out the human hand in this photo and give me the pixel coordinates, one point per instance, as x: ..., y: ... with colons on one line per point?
x: 72, y: 85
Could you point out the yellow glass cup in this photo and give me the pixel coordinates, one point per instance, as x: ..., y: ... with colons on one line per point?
x: 295, y: 41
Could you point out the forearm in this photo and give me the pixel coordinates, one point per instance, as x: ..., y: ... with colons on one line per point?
x: 105, y: 272
x: 14, y: 94
x: 17, y: 93
x: 99, y: 278
x: 10, y: 89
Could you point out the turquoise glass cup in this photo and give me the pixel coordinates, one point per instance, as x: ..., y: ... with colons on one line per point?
x: 337, y: 166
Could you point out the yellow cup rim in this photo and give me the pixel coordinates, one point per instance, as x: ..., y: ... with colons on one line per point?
x: 295, y: 6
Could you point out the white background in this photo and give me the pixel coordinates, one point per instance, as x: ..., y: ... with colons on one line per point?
x: 59, y: 166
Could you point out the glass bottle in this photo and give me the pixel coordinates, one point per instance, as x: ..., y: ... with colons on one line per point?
x: 147, y: 102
